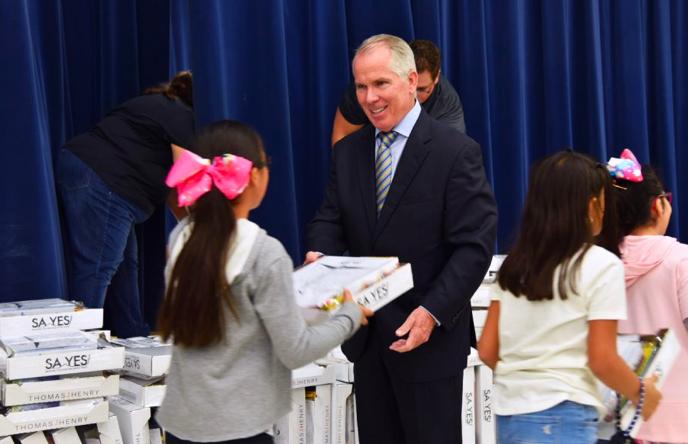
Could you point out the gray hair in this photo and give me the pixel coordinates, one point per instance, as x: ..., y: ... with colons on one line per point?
x: 403, y: 61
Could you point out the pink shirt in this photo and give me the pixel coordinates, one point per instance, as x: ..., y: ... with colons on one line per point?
x: 656, y: 270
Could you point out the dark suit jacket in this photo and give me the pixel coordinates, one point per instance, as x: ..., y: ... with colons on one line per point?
x: 440, y: 215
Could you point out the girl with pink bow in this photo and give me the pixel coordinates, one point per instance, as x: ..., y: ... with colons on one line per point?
x: 656, y: 275
x: 229, y: 306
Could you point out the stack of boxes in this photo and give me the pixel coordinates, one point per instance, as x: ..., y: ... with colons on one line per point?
x: 482, y: 430
x: 52, y: 372
x: 142, y: 387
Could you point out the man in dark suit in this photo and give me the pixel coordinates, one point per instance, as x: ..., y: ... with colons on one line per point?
x: 412, y: 187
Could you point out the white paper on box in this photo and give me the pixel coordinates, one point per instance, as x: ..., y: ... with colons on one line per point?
x: 69, y: 414
x: 493, y: 269
x: 291, y: 429
x: 312, y: 374
x: 468, y: 406
x: 65, y: 436
x: 387, y: 289
x: 6, y: 440
x: 20, y: 393
x: 132, y: 419
x: 33, y: 438
x: 144, y: 393
x: 83, y: 319
x: 109, y: 431
x: 61, y: 363
x: 485, y: 422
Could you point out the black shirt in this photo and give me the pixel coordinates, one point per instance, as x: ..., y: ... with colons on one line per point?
x: 130, y: 148
x: 443, y: 104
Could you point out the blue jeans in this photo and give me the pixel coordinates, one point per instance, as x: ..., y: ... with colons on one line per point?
x: 565, y: 423
x: 100, y: 245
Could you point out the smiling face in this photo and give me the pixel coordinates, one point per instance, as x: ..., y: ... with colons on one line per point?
x: 384, y: 96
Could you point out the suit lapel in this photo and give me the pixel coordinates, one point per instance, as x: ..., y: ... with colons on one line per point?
x: 411, y: 160
x: 366, y: 177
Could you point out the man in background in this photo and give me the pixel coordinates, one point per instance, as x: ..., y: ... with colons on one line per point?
x: 436, y: 95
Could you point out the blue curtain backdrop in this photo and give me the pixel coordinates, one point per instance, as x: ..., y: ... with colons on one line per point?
x: 534, y: 77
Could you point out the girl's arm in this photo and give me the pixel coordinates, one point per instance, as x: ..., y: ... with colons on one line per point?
x: 488, y: 346
x: 613, y: 371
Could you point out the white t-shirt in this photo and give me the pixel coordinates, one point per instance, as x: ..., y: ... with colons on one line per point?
x: 543, y: 352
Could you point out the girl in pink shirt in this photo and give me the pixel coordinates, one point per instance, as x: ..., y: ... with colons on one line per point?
x: 656, y: 268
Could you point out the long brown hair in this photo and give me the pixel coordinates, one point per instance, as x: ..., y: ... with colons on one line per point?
x: 181, y: 87
x: 194, y: 310
x: 555, y: 226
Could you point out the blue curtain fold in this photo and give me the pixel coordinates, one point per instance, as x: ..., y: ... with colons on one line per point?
x: 534, y: 76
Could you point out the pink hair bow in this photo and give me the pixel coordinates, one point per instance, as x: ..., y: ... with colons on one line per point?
x: 193, y: 176
x: 626, y: 168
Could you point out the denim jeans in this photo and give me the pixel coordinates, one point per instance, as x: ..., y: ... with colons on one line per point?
x: 565, y: 423
x: 100, y: 245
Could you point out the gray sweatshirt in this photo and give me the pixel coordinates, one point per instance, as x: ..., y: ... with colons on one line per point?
x: 241, y: 387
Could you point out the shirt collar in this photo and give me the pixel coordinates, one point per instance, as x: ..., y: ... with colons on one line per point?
x: 406, y: 125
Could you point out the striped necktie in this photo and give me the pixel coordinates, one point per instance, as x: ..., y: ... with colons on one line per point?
x: 383, y: 168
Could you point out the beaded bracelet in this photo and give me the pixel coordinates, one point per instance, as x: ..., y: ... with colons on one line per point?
x: 636, y: 415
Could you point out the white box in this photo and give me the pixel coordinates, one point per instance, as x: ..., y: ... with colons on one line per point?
x: 83, y: 319
x: 373, y: 281
x: 319, y: 414
x: 65, y: 436
x: 468, y: 417
x: 61, y: 363
x: 660, y: 365
x: 493, y: 269
x: 482, y: 296
x: 33, y: 438
x: 144, y: 393
x: 291, y: 429
x: 132, y: 419
x: 109, y: 431
x: 155, y: 436
x: 72, y: 413
x: 145, y: 356
x: 486, y: 421
x: 342, y: 405
x: 6, y: 440
x: 20, y: 392
x: 312, y: 374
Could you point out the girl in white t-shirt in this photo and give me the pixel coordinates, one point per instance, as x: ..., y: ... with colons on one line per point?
x: 551, y: 326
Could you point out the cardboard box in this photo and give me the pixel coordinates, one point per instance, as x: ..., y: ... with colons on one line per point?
x: 319, y: 414
x: 33, y: 438
x: 468, y: 412
x: 65, y: 436
x: 61, y: 363
x: 80, y: 319
x: 132, y: 419
x: 109, y: 432
x: 373, y: 281
x: 69, y: 414
x: 145, y: 357
x: 312, y: 374
x: 142, y: 392
x: 342, y: 413
x: 19, y: 392
x: 482, y: 296
x: 291, y: 429
x: 155, y: 436
x: 486, y: 422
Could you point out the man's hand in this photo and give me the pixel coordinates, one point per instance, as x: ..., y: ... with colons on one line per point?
x: 418, y: 326
x: 312, y: 256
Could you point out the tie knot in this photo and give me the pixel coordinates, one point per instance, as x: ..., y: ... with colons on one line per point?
x: 387, y: 138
